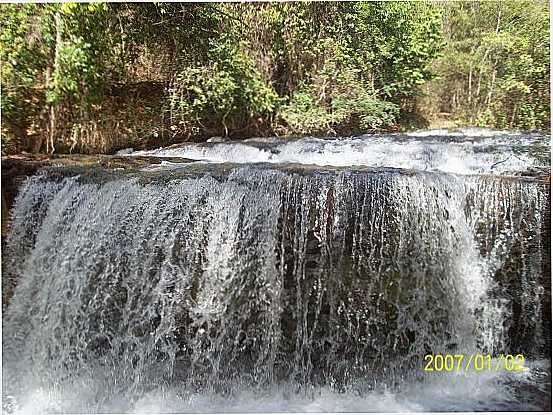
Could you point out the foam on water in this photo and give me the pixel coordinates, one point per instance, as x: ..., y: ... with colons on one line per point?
x: 469, y: 151
x: 463, y: 132
x: 276, y: 286
x: 439, y: 392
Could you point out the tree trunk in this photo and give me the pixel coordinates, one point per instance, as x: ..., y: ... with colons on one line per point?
x: 481, y: 72
x: 470, y: 93
x: 52, y: 109
x: 494, y: 66
x: 492, y: 85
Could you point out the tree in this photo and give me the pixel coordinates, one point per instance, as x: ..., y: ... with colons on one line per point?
x: 495, y: 69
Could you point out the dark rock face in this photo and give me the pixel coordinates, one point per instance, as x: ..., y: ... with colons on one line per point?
x: 257, y: 275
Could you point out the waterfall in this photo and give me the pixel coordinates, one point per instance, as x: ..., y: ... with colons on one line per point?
x: 216, y: 280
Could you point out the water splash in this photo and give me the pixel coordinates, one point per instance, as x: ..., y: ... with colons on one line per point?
x: 470, y: 151
x: 220, y: 282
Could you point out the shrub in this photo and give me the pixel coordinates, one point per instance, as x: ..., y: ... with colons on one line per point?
x: 335, y: 100
x: 227, y: 91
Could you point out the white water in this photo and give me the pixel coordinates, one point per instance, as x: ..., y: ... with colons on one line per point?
x: 288, y: 288
x: 469, y: 151
x: 439, y: 392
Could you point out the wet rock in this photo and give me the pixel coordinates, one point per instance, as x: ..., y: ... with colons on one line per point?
x: 15, y: 169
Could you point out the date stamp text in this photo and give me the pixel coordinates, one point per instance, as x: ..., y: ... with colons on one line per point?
x: 473, y: 362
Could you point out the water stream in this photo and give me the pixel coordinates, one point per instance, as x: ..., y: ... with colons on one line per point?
x: 272, y: 275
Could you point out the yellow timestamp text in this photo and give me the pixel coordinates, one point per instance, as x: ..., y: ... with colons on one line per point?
x: 476, y: 362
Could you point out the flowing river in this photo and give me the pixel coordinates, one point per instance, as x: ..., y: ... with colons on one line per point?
x: 274, y: 275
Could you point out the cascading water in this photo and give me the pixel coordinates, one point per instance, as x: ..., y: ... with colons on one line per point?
x: 278, y: 286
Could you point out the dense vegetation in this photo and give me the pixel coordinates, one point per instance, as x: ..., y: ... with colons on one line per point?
x: 494, y: 69
x: 96, y: 77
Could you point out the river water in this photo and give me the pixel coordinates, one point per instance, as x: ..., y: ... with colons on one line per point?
x: 275, y: 275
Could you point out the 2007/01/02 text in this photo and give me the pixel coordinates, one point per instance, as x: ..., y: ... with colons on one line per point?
x: 476, y: 362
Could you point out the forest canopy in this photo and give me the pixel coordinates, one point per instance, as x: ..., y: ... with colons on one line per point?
x: 97, y: 77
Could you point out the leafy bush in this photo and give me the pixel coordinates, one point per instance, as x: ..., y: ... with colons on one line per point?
x: 21, y: 62
x: 228, y: 91
x: 495, y: 68
x: 305, y: 114
x: 336, y: 100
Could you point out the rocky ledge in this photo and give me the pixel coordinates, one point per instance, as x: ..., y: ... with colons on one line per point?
x: 15, y: 169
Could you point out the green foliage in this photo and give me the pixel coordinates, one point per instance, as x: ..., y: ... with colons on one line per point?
x: 52, y: 56
x: 346, y: 66
x: 263, y: 68
x: 21, y: 57
x: 66, y: 39
x: 80, y: 51
x: 399, y: 40
x: 495, y: 68
x: 74, y: 71
x: 306, y: 115
x: 337, y: 100
x: 228, y: 91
